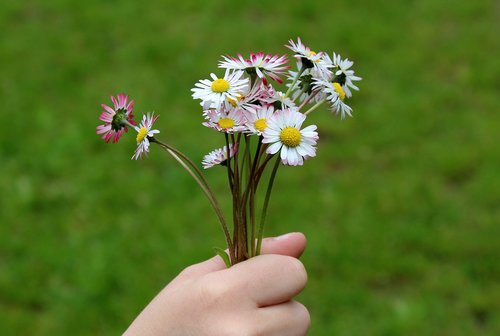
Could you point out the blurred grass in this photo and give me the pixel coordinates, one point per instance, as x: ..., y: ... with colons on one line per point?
x: 400, y: 207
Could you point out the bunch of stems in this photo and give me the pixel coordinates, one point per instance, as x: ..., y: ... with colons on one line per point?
x: 244, y: 173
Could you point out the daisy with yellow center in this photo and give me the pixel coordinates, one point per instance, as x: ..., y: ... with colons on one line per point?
x: 334, y: 93
x: 257, y: 121
x: 144, y: 132
x: 213, y: 93
x: 284, y: 134
x: 342, y: 73
x: 225, y: 121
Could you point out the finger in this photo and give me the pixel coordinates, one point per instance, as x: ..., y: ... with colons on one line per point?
x: 289, y: 318
x: 291, y: 244
x: 268, y: 279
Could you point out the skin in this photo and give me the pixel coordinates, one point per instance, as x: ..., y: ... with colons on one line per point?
x: 254, y: 297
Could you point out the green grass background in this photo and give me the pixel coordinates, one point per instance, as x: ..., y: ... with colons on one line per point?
x: 401, y: 206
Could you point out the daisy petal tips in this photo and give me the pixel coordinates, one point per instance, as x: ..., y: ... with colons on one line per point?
x: 116, y: 118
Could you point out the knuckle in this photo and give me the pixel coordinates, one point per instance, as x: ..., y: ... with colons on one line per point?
x: 212, y: 289
x: 186, y: 272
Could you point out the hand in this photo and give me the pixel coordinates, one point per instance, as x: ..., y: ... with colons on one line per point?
x: 251, y: 298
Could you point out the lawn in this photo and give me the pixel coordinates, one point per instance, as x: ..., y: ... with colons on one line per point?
x: 400, y: 207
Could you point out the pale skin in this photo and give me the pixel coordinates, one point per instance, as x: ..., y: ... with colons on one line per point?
x: 254, y: 297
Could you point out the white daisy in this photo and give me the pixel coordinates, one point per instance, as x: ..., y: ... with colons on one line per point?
x: 227, y: 121
x: 218, y: 156
x: 343, y: 74
x: 257, y: 122
x: 283, y: 133
x: 335, y: 95
x: 144, y: 132
x: 218, y: 90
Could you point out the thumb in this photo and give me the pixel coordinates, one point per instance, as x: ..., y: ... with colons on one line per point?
x: 290, y: 244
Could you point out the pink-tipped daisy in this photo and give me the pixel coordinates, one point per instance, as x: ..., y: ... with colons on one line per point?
x: 218, y: 156
x: 227, y: 121
x: 259, y: 63
x: 213, y: 93
x: 257, y: 122
x: 284, y: 133
x: 309, y: 59
x: 116, y: 119
x: 144, y: 132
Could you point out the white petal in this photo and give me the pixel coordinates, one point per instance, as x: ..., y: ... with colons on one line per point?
x: 275, y: 147
x: 284, y: 152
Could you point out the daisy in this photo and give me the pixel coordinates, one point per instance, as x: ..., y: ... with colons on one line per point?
x: 257, y: 122
x: 218, y: 156
x: 225, y: 121
x: 259, y: 64
x: 218, y: 90
x: 309, y: 59
x: 335, y: 95
x: 116, y: 119
x: 248, y: 100
x: 284, y: 134
x: 144, y: 132
x: 281, y: 101
x: 342, y: 73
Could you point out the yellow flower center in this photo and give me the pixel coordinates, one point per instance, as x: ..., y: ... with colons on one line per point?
x: 290, y: 136
x: 340, y: 91
x: 220, y: 85
x: 312, y: 54
x: 260, y: 124
x: 233, y: 102
x: 141, y: 134
x: 226, y: 123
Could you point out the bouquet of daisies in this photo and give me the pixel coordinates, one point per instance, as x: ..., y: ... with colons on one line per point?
x: 257, y: 124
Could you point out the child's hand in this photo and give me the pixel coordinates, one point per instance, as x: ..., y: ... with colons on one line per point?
x: 251, y: 298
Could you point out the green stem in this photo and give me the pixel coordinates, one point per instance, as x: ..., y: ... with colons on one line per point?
x: 301, y: 71
x: 315, y: 106
x: 266, y: 203
x: 200, y: 179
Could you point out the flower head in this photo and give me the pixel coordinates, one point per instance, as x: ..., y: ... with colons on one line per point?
x: 258, y: 64
x: 218, y: 156
x: 335, y: 96
x: 117, y: 118
x: 256, y: 123
x: 284, y: 133
x: 309, y: 59
x: 144, y: 132
x: 213, y: 93
x: 343, y: 74
x: 225, y: 121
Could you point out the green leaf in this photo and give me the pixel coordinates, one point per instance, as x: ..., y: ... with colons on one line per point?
x: 223, y: 255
